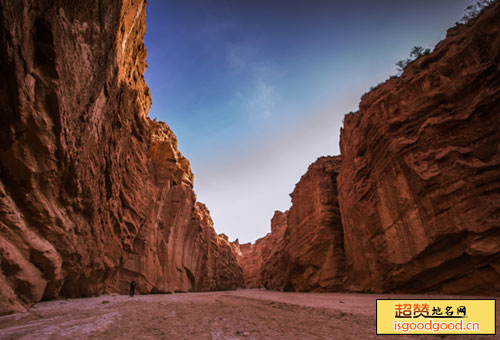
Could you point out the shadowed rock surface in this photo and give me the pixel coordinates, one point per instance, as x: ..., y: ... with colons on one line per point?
x: 304, y: 251
x: 92, y: 194
x: 250, y: 259
x: 266, y: 252
x: 419, y: 187
x: 274, y: 273
x: 314, y: 240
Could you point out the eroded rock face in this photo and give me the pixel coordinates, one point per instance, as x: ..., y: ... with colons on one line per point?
x: 314, y: 238
x: 92, y: 194
x: 250, y: 259
x: 304, y: 251
x: 220, y: 270
x: 180, y: 250
x: 419, y: 187
x: 274, y: 268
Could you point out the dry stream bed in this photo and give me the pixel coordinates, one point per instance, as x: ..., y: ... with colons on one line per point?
x: 242, y: 314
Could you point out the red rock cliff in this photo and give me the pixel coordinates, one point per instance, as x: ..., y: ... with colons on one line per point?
x: 252, y: 256
x: 91, y: 193
x: 419, y: 187
x: 179, y: 250
x: 250, y: 259
x: 304, y: 251
x: 314, y: 239
x: 274, y: 267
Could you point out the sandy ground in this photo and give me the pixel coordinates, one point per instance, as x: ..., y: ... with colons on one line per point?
x: 242, y: 314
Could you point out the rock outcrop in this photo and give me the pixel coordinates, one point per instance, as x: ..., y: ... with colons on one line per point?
x: 264, y: 252
x: 274, y: 268
x: 419, y: 187
x: 304, y: 251
x: 92, y: 194
x: 263, y: 261
x: 250, y: 260
x: 314, y: 239
x: 179, y: 250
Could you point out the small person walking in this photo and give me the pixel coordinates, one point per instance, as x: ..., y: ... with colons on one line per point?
x: 132, y: 288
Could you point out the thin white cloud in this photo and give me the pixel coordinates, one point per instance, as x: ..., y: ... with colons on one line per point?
x: 240, y: 57
x: 261, y: 97
x: 262, y: 101
x: 244, y: 188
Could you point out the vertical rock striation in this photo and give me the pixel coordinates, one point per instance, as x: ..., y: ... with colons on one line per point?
x: 304, y: 251
x: 274, y: 266
x: 250, y: 259
x: 314, y: 239
x: 179, y: 250
x: 419, y: 187
x: 263, y: 260
x: 89, y: 196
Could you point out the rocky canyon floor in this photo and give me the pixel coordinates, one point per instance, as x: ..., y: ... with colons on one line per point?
x: 241, y: 314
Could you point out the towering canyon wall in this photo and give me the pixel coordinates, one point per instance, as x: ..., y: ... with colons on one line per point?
x: 92, y: 194
x: 179, y: 250
x: 274, y: 271
x: 266, y: 252
x: 314, y: 238
x: 304, y: 251
x: 250, y: 259
x: 419, y: 187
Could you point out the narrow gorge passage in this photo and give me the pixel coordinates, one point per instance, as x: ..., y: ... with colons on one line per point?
x: 95, y: 196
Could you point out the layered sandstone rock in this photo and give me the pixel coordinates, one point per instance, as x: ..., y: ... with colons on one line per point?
x: 250, y: 260
x: 260, y: 260
x: 314, y: 238
x: 180, y: 250
x: 85, y: 205
x: 419, y: 187
x: 252, y: 256
x: 304, y: 251
x: 220, y: 269
x: 274, y: 269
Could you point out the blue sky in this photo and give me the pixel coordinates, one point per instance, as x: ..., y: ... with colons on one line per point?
x: 256, y: 90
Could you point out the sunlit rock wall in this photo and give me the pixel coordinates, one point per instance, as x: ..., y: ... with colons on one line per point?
x: 85, y: 205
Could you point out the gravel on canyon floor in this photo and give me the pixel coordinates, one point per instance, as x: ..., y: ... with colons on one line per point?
x: 241, y: 314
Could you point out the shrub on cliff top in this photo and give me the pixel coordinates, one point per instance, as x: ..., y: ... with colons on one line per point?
x: 415, y: 53
x: 473, y: 11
